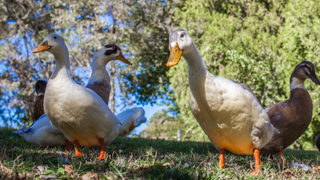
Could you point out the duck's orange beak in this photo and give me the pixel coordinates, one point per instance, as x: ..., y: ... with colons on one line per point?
x: 123, y: 59
x: 175, y: 55
x: 43, y: 47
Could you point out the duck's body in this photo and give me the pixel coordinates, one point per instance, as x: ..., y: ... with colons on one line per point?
x: 42, y: 132
x: 82, y: 119
x: 318, y: 142
x: 78, y: 112
x: 38, y: 102
x: 229, y: 114
x: 291, y: 117
x: 227, y: 111
x: 130, y: 119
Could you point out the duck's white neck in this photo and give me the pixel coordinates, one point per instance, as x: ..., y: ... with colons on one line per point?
x: 62, y: 64
x: 99, y: 72
x: 296, y: 83
x: 195, y: 62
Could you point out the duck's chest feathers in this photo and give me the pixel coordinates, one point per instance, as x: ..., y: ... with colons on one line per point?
x: 301, y: 107
x: 59, y: 100
x: 102, y: 88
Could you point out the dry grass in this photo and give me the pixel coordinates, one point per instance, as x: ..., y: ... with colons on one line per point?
x: 136, y: 158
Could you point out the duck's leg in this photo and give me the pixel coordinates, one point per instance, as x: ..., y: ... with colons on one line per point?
x: 282, y: 159
x: 76, y: 148
x: 68, y: 145
x: 103, y: 149
x: 256, y: 154
x: 221, y: 158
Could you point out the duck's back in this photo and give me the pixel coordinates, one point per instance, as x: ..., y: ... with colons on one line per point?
x: 38, y: 106
x: 291, y: 118
x: 230, y: 115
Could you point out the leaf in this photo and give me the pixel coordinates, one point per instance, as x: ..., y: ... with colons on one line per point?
x: 61, y: 171
x: 68, y: 169
x: 46, y: 172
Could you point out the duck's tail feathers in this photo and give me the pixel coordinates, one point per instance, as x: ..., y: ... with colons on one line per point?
x: 20, y: 131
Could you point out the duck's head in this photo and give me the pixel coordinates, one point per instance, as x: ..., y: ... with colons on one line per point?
x: 303, y: 71
x: 41, y: 86
x: 108, y: 53
x: 52, y: 43
x: 180, y: 43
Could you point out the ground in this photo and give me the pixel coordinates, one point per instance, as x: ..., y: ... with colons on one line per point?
x: 137, y: 158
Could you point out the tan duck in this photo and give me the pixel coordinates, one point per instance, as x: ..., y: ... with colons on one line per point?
x: 38, y: 102
x: 291, y: 117
x: 78, y: 112
x: 227, y: 111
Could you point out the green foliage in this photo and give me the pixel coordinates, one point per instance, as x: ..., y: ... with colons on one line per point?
x: 163, y: 125
x: 257, y: 43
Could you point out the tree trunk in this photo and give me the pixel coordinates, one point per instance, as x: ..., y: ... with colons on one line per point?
x: 113, y: 70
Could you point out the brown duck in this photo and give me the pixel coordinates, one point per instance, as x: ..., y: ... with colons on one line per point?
x: 291, y: 117
x: 38, y: 103
x: 318, y: 142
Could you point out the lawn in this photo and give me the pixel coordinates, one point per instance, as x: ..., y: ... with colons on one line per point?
x: 137, y: 158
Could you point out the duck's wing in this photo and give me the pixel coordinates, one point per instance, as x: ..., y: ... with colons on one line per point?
x: 276, y: 114
x: 42, y: 121
x: 244, y: 87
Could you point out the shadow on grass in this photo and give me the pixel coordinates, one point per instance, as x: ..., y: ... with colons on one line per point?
x: 136, y: 158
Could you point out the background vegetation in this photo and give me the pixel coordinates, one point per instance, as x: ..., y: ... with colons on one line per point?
x: 256, y: 42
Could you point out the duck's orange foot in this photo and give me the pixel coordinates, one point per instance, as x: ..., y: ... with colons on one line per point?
x: 102, y: 155
x: 255, y: 173
x: 78, y: 154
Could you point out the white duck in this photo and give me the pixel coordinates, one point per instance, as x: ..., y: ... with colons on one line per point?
x: 100, y: 83
x: 78, y: 112
x: 227, y: 111
x: 42, y: 132
x: 130, y: 119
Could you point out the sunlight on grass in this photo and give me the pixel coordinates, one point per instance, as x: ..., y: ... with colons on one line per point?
x: 133, y: 158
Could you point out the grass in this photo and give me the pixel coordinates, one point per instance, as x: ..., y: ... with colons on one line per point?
x: 137, y: 158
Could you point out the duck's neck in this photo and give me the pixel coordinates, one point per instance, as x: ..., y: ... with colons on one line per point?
x: 296, y: 83
x: 195, y: 63
x: 99, y: 72
x: 62, y: 64
x: 297, y: 89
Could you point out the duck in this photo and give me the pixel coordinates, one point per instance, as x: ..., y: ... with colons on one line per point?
x: 99, y: 82
x: 227, y: 111
x: 318, y: 142
x: 131, y: 119
x: 78, y: 112
x: 38, y: 109
x: 293, y: 116
x: 43, y: 133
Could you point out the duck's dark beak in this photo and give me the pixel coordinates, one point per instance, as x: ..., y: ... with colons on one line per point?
x: 175, y: 55
x: 314, y: 78
x: 123, y: 59
x: 43, y: 47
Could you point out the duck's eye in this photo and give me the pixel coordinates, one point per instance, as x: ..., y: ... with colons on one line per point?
x: 182, y: 35
x: 55, y: 37
x: 113, y: 48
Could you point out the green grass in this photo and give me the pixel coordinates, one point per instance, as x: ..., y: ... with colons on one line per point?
x: 137, y: 158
